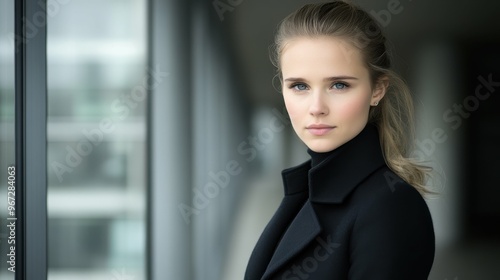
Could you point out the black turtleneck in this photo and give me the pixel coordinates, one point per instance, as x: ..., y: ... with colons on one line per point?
x: 317, y: 158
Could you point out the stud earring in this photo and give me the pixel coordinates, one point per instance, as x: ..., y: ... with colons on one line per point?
x: 376, y: 103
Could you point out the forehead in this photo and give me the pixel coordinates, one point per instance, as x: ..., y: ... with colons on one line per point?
x: 321, y: 55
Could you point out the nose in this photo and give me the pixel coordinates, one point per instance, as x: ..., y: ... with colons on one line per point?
x: 318, y: 106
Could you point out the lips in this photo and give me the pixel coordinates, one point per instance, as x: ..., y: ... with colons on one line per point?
x: 319, y: 129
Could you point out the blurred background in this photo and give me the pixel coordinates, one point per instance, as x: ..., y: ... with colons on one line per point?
x: 166, y: 135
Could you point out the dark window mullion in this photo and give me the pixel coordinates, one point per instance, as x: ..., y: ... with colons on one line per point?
x: 31, y: 140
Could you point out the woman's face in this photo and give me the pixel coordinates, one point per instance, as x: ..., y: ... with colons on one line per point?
x: 327, y: 91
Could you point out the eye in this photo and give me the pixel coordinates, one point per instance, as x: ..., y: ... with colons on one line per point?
x: 340, y: 86
x: 298, y: 87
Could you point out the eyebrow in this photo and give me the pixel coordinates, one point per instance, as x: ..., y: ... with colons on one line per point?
x: 334, y: 78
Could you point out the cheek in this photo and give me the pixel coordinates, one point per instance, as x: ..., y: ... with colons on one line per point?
x: 292, y: 108
x: 354, y: 109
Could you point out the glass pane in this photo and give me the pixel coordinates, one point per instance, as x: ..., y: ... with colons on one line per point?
x: 7, y: 138
x: 96, y: 139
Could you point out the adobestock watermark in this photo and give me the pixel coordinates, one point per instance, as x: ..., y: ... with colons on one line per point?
x: 392, y: 180
x: 249, y: 150
x: 308, y: 265
x: 223, y: 6
x: 121, y: 107
x: 121, y: 275
x: 455, y: 115
x: 38, y: 20
x: 384, y: 16
x: 371, y: 31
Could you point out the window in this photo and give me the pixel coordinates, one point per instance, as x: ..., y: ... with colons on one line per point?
x: 96, y: 154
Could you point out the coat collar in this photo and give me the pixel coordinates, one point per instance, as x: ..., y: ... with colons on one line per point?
x: 335, y: 177
x: 304, y: 228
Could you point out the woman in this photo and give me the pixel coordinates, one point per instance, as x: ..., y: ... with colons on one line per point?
x: 355, y: 210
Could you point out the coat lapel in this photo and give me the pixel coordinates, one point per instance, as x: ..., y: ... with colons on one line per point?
x: 265, y: 247
x: 296, y: 193
x: 304, y: 228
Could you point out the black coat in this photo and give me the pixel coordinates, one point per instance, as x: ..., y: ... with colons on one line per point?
x: 357, y: 220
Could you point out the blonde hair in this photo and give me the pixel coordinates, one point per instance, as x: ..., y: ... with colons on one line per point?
x: 394, y: 116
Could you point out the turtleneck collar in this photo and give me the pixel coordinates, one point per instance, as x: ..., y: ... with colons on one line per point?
x: 329, y: 177
x: 317, y: 158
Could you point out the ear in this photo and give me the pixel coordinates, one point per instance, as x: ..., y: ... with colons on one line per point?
x: 379, y: 90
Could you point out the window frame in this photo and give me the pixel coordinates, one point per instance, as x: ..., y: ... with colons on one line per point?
x: 31, y: 139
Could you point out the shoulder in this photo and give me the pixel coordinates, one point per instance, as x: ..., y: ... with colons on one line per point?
x: 387, y: 198
x: 382, y: 202
x: 392, y: 230
x: 384, y: 190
